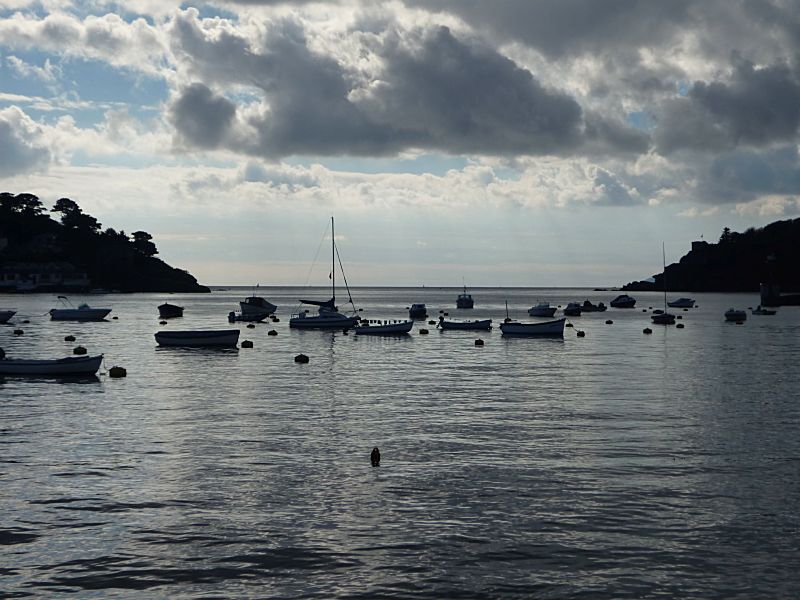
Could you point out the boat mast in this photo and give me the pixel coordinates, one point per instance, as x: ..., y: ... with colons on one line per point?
x: 333, y: 261
x: 664, y: 262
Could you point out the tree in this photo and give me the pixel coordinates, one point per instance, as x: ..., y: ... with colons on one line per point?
x: 141, y: 241
x: 26, y: 205
x: 726, y: 235
x: 72, y: 217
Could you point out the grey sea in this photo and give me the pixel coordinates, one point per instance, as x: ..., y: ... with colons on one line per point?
x: 615, y: 465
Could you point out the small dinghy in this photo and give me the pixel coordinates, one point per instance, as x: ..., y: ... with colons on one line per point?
x: 475, y: 325
x: 79, y: 365
x: 226, y: 338
x: 545, y: 328
x: 170, y: 311
x: 383, y: 327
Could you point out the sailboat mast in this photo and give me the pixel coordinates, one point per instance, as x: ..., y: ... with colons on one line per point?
x: 664, y: 262
x: 333, y: 261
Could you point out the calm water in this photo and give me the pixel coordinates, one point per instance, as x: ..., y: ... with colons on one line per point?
x: 617, y: 465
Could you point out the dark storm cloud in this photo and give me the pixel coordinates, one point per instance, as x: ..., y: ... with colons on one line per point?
x: 201, y: 118
x: 20, y: 152
x: 757, y: 107
x: 435, y: 91
x: 744, y: 175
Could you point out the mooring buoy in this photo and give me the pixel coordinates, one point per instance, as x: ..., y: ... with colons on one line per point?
x: 79, y: 350
x: 117, y: 372
x: 375, y: 457
x: 301, y: 358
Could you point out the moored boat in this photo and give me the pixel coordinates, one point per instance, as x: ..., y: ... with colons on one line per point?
x: 546, y: 328
x: 733, y: 314
x: 662, y: 317
x: 543, y: 309
x: 623, y: 301
x: 418, y: 311
x: 170, y: 311
x: 573, y: 309
x: 5, y: 315
x: 256, y: 305
x: 465, y: 300
x: 681, y: 303
x: 589, y: 307
x: 233, y: 317
x: 79, y: 365
x: 383, y: 327
x: 474, y: 325
x: 83, y: 312
x: 199, y: 338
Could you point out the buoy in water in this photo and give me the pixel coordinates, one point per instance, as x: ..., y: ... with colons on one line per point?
x: 644, y: 310
x: 18, y: 332
x: 272, y: 332
x: 609, y: 322
x: 69, y: 338
x: 115, y: 318
x: 431, y: 322
x: 679, y: 317
x: 251, y: 326
x: 247, y: 344
x: 679, y: 326
x: 276, y: 320
x: 79, y: 350
x: 162, y: 322
x: 740, y: 322
x: 479, y: 342
x: 375, y: 457
x: 581, y: 334
x: 647, y: 330
x: 301, y: 358
x: 423, y: 331
x: 117, y: 372
x: 569, y: 325
x: 25, y: 321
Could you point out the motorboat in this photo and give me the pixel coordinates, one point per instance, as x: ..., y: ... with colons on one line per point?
x: 199, y: 338
x: 623, y: 301
x: 543, y: 309
x: 234, y: 317
x: 418, y: 311
x: 70, y: 366
x: 383, y: 327
x: 170, y: 311
x: 573, y: 309
x: 760, y: 310
x: 328, y: 315
x: 5, y: 315
x: 255, y: 305
x: 546, y: 328
x: 681, y: 303
x: 464, y: 299
x: 733, y: 314
x: 663, y: 318
x: 589, y: 307
x: 83, y: 312
x: 474, y: 325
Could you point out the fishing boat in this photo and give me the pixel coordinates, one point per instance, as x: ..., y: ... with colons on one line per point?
x: 464, y: 299
x: 199, y: 338
x: 623, y: 301
x: 418, y: 311
x: 681, y: 303
x: 82, y: 313
x: 760, y: 310
x: 589, y: 307
x: 5, y: 315
x: 733, y: 314
x: 545, y: 328
x: 383, y: 327
x: 256, y: 305
x: 170, y: 311
x: 543, y: 309
x: 663, y: 317
x: 79, y: 365
x: 573, y: 309
x: 474, y: 325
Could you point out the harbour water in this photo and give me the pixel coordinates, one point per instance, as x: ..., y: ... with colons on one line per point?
x: 617, y: 465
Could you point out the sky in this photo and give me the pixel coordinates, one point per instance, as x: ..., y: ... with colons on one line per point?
x: 509, y: 143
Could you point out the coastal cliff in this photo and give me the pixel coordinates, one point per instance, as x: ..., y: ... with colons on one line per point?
x: 739, y: 262
x: 40, y: 254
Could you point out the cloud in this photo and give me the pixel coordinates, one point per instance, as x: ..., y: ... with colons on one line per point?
x: 22, y: 144
x: 201, y: 118
x: 47, y: 73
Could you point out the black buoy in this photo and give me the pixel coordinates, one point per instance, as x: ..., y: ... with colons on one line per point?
x: 431, y: 322
x: 162, y: 322
x: 647, y: 330
x: 272, y: 332
x: 117, y: 372
x: 423, y: 331
x: 679, y: 317
x: 276, y: 320
x: 301, y: 358
x: 251, y: 326
x: 446, y: 314
x: 18, y: 332
x: 26, y: 321
x: 581, y: 334
x: 115, y: 318
x: 569, y: 325
x: 479, y: 342
x: 644, y: 310
x: 247, y: 344
x: 2, y: 354
x: 609, y: 322
x: 69, y: 338
x: 79, y: 350
x: 679, y: 325
x: 375, y: 457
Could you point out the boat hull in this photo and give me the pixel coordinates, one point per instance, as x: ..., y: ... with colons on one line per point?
x: 547, y: 328
x: 255, y: 305
x: 478, y: 325
x: 681, y: 303
x: 735, y: 315
x: 79, y: 314
x: 82, y: 365
x: 663, y: 319
x: 170, y: 311
x: 546, y: 312
x: 623, y: 302
x: 398, y: 328
x: 223, y: 338
x: 320, y: 322
x: 5, y: 315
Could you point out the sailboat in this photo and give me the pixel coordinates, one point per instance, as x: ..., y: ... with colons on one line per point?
x: 664, y: 318
x: 328, y: 316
